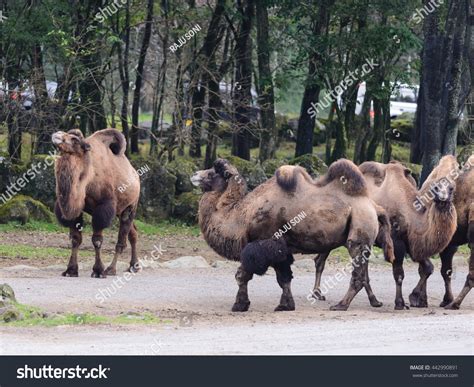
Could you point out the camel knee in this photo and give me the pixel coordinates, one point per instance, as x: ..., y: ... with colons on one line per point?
x: 127, y: 215
x: 120, y: 247
x: 97, y: 241
x: 76, y: 240
x: 427, y: 268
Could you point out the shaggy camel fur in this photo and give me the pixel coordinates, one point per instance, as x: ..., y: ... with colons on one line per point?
x: 422, y: 225
x: 88, y: 174
x: 244, y: 226
x: 464, y: 203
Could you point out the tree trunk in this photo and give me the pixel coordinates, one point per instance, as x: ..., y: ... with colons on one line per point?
x: 440, y: 101
x: 266, y: 99
x: 242, y: 98
x: 139, y: 78
x: 304, y: 137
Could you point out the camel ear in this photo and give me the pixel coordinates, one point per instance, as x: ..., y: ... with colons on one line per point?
x: 220, y: 167
x: 76, y: 132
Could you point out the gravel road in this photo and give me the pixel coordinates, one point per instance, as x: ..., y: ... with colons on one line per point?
x: 195, y: 305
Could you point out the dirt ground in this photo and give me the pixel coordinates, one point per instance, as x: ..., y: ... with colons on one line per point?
x: 195, y: 306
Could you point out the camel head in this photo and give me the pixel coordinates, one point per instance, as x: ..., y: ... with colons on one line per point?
x: 441, y: 182
x: 215, y: 178
x: 443, y: 191
x: 72, y: 142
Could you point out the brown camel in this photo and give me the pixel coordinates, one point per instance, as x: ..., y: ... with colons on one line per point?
x: 464, y: 203
x: 248, y: 226
x: 88, y: 173
x: 423, y: 222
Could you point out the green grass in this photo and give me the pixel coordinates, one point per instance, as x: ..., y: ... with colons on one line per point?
x: 32, y: 252
x: 164, y: 228
x: 33, y: 316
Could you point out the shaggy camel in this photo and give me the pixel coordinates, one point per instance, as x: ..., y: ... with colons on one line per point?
x: 464, y: 203
x: 418, y: 228
x: 88, y: 174
x: 244, y: 226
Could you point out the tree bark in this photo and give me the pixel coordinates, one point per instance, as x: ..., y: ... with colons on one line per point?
x: 242, y: 98
x: 139, y: 78
x: 266, y: 99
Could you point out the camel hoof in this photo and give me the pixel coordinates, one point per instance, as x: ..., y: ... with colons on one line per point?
x: 96, y: 274
x: 445, y: 303
x: 416, y: 301
x: 339, y: 307
x: 70, y: 273
x: 402, y: 307
x: 241, y: 306
x: 285, y: 308
x: 110, y: 271
x: 375, y: 303
x: 452, y: 306
x: 318, y: 296
x: 133, y: 269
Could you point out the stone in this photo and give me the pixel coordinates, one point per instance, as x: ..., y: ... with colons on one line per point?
x: 187, y: 262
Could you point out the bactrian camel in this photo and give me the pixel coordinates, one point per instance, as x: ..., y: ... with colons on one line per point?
x: 423, y: 222
x: 89, y: 172
x: 241, y: 226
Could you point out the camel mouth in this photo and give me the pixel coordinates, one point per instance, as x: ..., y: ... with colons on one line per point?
x: 196, y: 179
x: 57, y: 138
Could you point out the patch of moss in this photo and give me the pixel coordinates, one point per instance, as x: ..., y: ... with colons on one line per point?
x: 186, y: 207
x: 312, y: 163
x: 252, y: 172
x: 23, y: 208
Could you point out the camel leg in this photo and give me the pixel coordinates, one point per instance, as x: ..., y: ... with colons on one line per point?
x: 468, y: 284
x: 133, y: 237
x: 75, y: 235
x: 126, y: 219
x: 399, y: 274
x: 319, y: 263
x: 242, y: 301
x: 284, y: 276
x: 372, y: 299
x: 418, y: 297
x: 359, y: 274
x: 446, y: 272
x: 98, y: 268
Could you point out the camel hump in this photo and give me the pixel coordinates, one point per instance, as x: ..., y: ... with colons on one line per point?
x: 346, y: 172
x: 113, y: 139
x: 287, y: 176
x: 373, y: 169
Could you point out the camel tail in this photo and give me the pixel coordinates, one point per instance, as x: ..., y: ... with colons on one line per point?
x: 258, y: 256
x: 384, y: 237
x: 113, y: 139
x: 349, y: 176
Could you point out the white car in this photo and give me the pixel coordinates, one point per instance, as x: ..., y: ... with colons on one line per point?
x: 402, y: 100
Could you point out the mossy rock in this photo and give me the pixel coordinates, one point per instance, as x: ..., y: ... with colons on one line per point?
x: 271, y: 165
x: 402, y: 127
x: 465, y: 153
x: 186, y: 207
x: 312, y: 163
x: 157, y: 190
x: 23, y: 208
x: 11, y: 314
x: 183, y: 170
x: 7, y: 293
x: 251, y: 171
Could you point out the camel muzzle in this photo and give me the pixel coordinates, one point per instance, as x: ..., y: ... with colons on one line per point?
x: 196, y: 179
